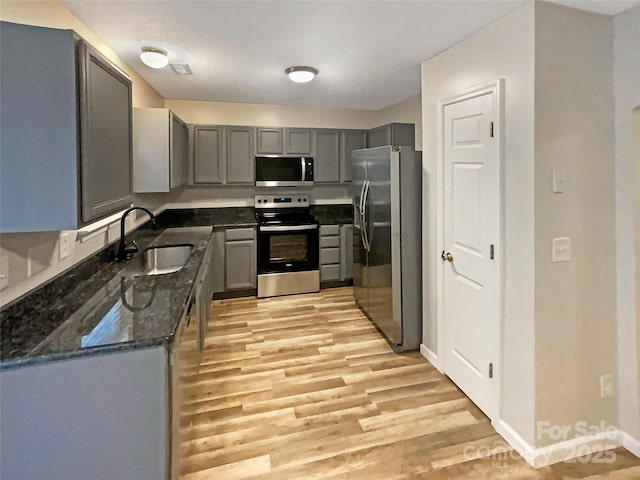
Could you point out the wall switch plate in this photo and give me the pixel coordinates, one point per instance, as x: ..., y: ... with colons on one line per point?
x: 558, y: 181
x: 4, y: 272
x: 64, y: 245
x: 561, y: 251
x: 606, y: 385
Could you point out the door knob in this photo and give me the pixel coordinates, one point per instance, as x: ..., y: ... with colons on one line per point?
x: 446, y: 256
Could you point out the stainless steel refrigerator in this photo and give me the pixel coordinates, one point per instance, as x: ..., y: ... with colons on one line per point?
x: 387, y: 239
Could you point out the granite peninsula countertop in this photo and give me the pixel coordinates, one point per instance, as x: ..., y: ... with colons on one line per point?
x: 116, y: 309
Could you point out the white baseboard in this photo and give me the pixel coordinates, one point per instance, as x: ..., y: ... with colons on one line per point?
x: 630, y: 443
x: 430, y: 356
x: 565, y: 450
x: 525, y: 450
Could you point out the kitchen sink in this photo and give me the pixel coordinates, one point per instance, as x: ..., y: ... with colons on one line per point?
x: 165, y: 259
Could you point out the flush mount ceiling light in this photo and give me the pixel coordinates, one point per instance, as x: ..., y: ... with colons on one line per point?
x: 301, y: 74
x: 154, y: 57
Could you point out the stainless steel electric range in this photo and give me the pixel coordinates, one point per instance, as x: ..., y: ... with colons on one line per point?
x: 288, y: 245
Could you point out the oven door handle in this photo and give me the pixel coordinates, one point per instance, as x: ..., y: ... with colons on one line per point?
x: 288, y: 228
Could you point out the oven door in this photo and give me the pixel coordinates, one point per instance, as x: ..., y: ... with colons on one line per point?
x: 288, y: 248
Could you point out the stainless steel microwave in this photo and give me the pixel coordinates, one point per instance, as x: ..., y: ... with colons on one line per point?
x: 277, y: 171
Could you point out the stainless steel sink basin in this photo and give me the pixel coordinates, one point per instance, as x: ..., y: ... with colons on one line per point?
x: 165, y: 259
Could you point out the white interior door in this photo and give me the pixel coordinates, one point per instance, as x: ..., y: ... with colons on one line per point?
x: 471, y: 230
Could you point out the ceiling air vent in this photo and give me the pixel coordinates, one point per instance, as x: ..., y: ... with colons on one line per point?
x: 181, y: 69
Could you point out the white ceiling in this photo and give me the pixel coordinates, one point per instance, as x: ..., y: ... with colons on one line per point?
x: 368, y: 52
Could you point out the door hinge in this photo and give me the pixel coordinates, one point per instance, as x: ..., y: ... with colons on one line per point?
x: 491, y: 370
x: 491, y: 252
x: 491, y: 129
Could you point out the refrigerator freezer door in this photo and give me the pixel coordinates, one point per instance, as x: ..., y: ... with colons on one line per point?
x: 360, y: 273
x: 379, y: 224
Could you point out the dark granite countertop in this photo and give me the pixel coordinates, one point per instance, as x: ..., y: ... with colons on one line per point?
x: 115, y: 309
x: 215, y: 217
x: 333, y: 214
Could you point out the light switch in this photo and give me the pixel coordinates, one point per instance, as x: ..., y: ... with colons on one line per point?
x: 4, y: 272
x: 558, y: 181
x: 561, y: 249
x: 64, y: 245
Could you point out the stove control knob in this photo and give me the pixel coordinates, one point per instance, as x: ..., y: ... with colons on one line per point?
x: 305, y: 199
x: 299, y: 200
x: 259, y: 200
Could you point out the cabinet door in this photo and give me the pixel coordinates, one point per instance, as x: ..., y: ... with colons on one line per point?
x: 351, y: 140
x: 269, y: 141
x: 240, y: 264
x: 240, y: 155
x: 208, y: 160
x: 106, y: 141
x: 380, y: 136
x: 218, y: 262
x: 327, y: 156
x: 298, y: 141
x: 179, y: 152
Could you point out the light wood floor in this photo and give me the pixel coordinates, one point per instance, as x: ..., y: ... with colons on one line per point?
x: 304, y: 387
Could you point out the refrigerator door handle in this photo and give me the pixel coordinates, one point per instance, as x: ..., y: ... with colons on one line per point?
x: 365, y: 221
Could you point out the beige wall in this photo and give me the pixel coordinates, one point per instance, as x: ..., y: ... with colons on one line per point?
x: 505, y: 49
x: 627, y: 98
x: 575, y: 301
x: 53, y: 14
x: 408, y: 111
x: 41, y: 249
x: 636, y: 283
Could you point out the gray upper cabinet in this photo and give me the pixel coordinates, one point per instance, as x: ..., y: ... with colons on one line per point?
x: 160, y: 150
x: 350, y: 140
x: 106, y: 140
x: 240, y: 155
x: 179, y: 151
x: 208, y: 154
x: 298, y: 141
x: 65, y: 131
x: 327, y: 156
x: 269, y: 141
x: 399, y: 134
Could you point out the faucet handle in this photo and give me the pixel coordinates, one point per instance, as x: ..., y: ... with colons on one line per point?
x: 132, y: 249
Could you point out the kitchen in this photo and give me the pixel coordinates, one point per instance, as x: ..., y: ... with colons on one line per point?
x: 331, y: 199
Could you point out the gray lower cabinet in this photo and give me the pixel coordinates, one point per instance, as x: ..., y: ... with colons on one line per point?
x: 160, y: 150
x: 350, y: 140
x: 112, y: 408
x: 269, y: 141
x: 208, y: 154
x: 400, y: 134
x: 66, y: 116
x: 298, y: 141
x: 240, y: 155
x: 336, y: 253
x: 234, y: 259
x: 327, y: 156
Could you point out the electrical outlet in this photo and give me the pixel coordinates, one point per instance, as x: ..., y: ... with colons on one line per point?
x: 4, y: 272
x: 606, y: 385
x: 64, y: 245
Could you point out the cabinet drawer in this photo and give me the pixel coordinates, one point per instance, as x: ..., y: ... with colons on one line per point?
x: 329, y: 242
x: 329, y: 256
x: 329, y: 230
x: 239, y: 234
x: 329, y: 272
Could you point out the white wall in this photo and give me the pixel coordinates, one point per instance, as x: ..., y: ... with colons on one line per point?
x: 42, y: 247
x: 627, y: 97
x: 575, y: 308
x: 505, y: 49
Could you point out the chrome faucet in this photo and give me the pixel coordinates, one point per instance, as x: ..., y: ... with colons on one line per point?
x: 125, y: 252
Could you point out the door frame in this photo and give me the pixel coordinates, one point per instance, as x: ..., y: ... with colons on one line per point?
x: 495, y: 87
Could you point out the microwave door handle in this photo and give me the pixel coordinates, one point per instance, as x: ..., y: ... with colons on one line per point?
x: 303, y: 162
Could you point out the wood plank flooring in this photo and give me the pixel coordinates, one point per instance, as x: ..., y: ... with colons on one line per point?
x: 304, y: 387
